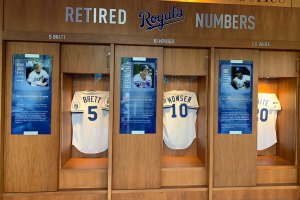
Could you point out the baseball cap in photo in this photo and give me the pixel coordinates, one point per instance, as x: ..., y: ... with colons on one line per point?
x: 145, y: 67
x: 238, y: 70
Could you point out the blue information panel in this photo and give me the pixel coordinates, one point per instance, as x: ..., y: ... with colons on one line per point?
x: 138, y: 95
x: 31, y: 94
x: 235, y: 97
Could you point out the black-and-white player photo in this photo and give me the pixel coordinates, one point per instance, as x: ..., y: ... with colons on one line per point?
x: 142, y: 76
x: 36, y: 76
x: 240, y: 78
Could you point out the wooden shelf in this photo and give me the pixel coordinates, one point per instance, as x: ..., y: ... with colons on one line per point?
x: 271, y: 161
x: 86, y: 164
x: 181, y: 161
x: 185, y: 171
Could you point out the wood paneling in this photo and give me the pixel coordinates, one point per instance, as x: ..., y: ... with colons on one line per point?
x: 287, y: 119
x: 55, y: 22
x: 202, y: 119
x: 111, y: 119
x: 235, y: 155
x: 67, y: 195
x: 194, y: 42
x: 91, y: 59
x: 210, y: 121
x: 1, y: 99
x: 185, y: 62
x: 285, y: 3
x: 65, y: 128
x: 31, y: 162
x: 183, y: 171
x: 276, y: 175
x: 81, y: 173
x: 136, y: 158
x: 162, y: 194
x: 271, y: 161
x: 278, y: 64
x: 259, y: 193
x: 295, y: 3
x: 285, y: 28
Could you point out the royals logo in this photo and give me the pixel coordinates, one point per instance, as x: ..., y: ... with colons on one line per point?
x: 160, y: 20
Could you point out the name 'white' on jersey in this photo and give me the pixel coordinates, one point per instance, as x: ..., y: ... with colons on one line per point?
x: 90, y: 121
x: 268, y: 105
x: 179, y: 118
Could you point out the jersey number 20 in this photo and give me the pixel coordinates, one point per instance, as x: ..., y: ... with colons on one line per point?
x: 263, y: 116
x: 183, y: 110
x: 91, y: 111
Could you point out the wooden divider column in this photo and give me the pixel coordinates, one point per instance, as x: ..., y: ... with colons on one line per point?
x: 111, y: 119
x: 137, y: 158
x: 1, y: 101
x: 211, y: 122
x: 234, y: 156
x: 31, y: 162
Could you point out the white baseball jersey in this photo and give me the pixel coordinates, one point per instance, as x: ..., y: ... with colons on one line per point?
x: 180, y: 114
x: 90, y: 121
x: 139, y: 82
x: 36, y: 79
x: 240, y: 83
x: 268, y: 105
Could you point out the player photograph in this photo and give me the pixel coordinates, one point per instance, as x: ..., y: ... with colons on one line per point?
x: 36, y: 74
x: 143, y: 76
x: 240, y: 78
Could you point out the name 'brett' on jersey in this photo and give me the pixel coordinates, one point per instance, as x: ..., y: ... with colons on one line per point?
x: 90, y: 121
x: 180, y: 114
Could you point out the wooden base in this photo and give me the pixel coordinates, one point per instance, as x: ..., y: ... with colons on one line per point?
x: 274, y: 170
x: 256, y: 193
x: 62, y: 195
x: 79, y: 173
x: 183, y: 171
x: 86, y: 164
x: 271, y: 161
x: 162, y: 194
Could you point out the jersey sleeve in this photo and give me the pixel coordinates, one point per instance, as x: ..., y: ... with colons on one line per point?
x: 77, y: 104
x: 136, y: 81
x: 193, y: 104
x: 45, y: 74
x: 30, y: 77
x: 105, y: 105
x: 275, y: 104
x: 167, y: 104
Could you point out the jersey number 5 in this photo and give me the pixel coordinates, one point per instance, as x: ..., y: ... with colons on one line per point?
x: 91, y: 111
x: 183, y: 110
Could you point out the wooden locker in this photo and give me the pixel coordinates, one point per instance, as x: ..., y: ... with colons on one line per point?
x: 31, y: 162
x: 136, y: 158
x: 234, y: 156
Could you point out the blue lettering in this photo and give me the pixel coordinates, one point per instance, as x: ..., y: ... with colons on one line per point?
x: 160, y: 20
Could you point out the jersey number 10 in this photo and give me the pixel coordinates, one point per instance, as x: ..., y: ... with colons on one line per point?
x: 183, y: 110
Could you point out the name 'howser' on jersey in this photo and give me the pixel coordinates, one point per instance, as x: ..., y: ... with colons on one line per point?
x: 179, y: 118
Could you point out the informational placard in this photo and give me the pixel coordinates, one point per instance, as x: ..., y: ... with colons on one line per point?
x: 138, y: 95
x: 31, y: 94
x: 235, y: 97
